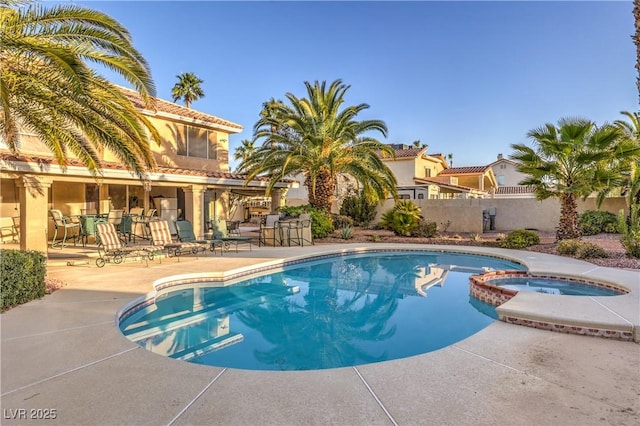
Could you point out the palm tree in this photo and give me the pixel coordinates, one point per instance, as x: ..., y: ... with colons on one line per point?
x: 636, y: 39
x: 621, y: 170
x: 245, y: 150
x: 316, y: 138
x: 187, y: 88
x: 48, y: 89
x: 563, y: 164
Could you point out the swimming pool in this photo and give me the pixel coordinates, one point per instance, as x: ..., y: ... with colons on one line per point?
x: 334, y: 312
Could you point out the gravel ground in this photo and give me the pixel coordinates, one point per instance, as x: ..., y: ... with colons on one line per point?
x: 609, y: 242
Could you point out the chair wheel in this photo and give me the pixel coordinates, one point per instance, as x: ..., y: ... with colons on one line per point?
x: 118, y: 258
x: 150, y: 255
x: 100, y: 262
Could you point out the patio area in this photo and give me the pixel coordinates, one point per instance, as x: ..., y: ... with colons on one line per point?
x: 63, y: 354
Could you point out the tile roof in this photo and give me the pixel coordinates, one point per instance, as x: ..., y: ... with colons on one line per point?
x: 405, y: 153
x: 171, y: 108
x: 447, y: 184
x: 517, y: 189
x: 41, y: 160
x: 464, y: 170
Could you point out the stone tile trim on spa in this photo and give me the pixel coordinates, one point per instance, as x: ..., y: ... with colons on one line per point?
x: 481, y: 287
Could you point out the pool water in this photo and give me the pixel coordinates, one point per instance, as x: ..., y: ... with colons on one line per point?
x: 554, y: 286
x: 336, y: 312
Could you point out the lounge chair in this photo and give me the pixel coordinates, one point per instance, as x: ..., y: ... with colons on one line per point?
x: 111, y: 248
x: 161, y: 238
x: 221, y: 232
x: 66, y: 225
x: 186, y: 235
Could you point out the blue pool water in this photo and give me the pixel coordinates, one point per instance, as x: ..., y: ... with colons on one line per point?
x: 336, y: 312
x: 554, y: 286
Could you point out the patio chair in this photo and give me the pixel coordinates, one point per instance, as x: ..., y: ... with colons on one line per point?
x: 161, y: 237
x: 270, y: 231
x: 184, y: 228
x: 221, y: 232
x: 65, y: 225
x: 115, y: 218
x: 111, y: 249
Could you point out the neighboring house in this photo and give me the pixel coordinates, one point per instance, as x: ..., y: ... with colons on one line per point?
x: 509, y: 178
x: 192, y: 169
x: 428, y: 176
x: 419, y: 176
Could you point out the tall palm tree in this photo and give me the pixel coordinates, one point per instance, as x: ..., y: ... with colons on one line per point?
x: 636, y: 39
x: 562, y: 164
x: 48, y: 89
x: 317, y: 138
x: 245, y: 150
x: 187, y: 88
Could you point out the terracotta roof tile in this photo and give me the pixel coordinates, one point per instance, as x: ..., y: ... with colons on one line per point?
x: 464, y: 170
x: 517, y: 189
x: 439, y: 182
x: 118, y: 166
x: 171, y: 108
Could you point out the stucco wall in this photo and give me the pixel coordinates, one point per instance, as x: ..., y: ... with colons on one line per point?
x: 466, y: 214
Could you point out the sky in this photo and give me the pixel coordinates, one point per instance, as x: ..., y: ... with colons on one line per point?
x: 466, y: 78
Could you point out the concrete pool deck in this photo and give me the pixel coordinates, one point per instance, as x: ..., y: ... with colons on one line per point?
x: 64, y: 353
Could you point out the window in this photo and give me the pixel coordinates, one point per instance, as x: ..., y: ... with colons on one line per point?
x: 405, y: 197
x: 500, y: 180
x: 503, y: 166
x: 427, y: 172
x: 420, y: 196
x: 196, y: 142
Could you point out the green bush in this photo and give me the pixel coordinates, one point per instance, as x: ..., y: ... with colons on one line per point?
x: 425, y: 229
x: 630, y: 230
x: 361, y: 210
x: 346, y: 233
x: 590, y: 250
x: 520, y: 238
x: 22, y: 276
x: 568, y: 247
x: 340, y: 221
x: 402, y: 219
x: 592, y: 222
x: 321, y: 223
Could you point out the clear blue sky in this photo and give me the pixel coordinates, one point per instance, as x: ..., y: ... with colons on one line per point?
x: 468, y: 78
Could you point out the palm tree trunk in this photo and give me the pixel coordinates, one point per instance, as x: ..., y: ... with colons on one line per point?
x: 568, y: 226
x: 325, y: 189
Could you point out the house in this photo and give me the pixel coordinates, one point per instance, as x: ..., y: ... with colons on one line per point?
x: 508, y: 178
x: 428, y: 176
x: 192, y: 171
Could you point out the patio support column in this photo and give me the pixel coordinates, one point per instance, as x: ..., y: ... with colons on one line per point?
x: 33, y: 192
x: 194, y: 207
x: 278, y: 198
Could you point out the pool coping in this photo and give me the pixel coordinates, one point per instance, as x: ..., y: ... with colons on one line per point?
x: 600, y: 316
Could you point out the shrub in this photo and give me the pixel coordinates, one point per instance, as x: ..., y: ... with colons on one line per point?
x: 520, y: 238
x: 590, y: 250
x: 346, y: 233
x: 321, y: 223
x: 360, y: 209
x: 593, y: 222
x: 630, y: 230
x: 402, y: 219
x: 22, y: 276
x: 340, y: 221
x: 425, y: 229
x: 568, y: 247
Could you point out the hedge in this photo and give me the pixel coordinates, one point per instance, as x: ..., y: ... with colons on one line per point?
x: 22, y: 275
